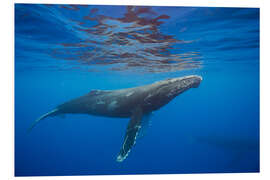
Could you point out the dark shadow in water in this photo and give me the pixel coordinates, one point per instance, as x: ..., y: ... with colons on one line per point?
x: 239, y: 148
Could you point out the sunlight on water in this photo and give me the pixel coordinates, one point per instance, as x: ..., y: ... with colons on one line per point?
x: 131, y: 41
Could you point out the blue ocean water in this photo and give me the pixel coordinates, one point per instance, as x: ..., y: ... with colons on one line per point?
x: 65, y: 51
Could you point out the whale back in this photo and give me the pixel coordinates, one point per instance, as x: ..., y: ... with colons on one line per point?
x: 110, y: 103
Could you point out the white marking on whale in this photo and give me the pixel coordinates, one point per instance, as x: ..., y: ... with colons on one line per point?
x: 112, y: 105
x: 129, y: 94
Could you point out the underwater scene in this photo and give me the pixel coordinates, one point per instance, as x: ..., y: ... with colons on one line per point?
x: 112, y: 90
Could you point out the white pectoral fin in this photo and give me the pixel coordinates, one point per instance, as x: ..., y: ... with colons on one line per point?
x: 132, y: 130
x: 145, y: 125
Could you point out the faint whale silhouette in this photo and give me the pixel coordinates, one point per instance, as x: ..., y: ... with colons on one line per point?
x: 227, y: 142
x: 239, y: 147
x: 134, y: 102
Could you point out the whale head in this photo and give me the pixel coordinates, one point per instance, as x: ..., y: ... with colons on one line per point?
x: 174, y: 86
x: 186, y: 82
x: 164, y: 91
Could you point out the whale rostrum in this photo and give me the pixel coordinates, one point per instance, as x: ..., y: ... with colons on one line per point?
x: 133, y: 103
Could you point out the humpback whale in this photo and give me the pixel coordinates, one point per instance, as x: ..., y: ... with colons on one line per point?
x: 133, y: 103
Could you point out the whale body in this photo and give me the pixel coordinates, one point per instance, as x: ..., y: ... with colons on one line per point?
x: 133, y: 103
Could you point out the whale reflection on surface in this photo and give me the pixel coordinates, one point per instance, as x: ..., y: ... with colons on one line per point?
x: 132, y: 41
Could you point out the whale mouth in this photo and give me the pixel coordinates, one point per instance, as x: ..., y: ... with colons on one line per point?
x: 194, y: 80
x: 197, y: 81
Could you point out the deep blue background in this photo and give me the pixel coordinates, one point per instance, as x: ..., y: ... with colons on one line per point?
x: 214, y: 128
